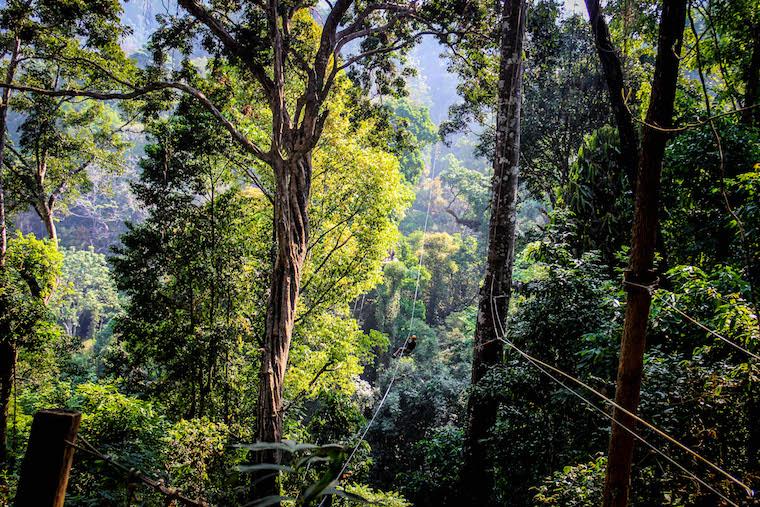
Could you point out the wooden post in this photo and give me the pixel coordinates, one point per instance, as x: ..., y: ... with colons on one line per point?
x: 45, y: 471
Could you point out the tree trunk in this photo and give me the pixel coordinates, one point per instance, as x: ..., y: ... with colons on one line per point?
x: 7, y: 365
x: 293, y: 180
x: 477, y: 479
x: 7, y: 349
x: 752, y: 81
x: 12, y: 64
x: 612, y: 69
x: 644, y: 240
x: 46, y: 214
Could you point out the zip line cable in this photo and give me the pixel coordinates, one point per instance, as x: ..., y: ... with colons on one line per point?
x: 366, y: 429
x: 684, y: 315
x: 541, y: 365
x: 714, y: 333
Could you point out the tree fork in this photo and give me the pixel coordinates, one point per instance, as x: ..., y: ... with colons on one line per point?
x: 643, y: 246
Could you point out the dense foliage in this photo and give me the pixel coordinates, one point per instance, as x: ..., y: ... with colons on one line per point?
x: 145, y: 306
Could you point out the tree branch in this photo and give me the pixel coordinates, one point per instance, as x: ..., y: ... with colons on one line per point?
x: 138, y: 92
x: 232, y: 45
x: 612, y: 69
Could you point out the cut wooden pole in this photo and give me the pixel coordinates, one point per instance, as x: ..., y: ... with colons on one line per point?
x: 45, y: 471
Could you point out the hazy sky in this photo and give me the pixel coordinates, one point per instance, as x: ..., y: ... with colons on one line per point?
x: 575, y: 6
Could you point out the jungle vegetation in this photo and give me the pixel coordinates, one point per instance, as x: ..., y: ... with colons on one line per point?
x: 406, y: 253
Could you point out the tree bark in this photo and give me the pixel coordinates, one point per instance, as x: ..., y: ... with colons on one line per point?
x: 293, y: 180
x: 612, y: 68
x: 477, y: 479
x: 752, y: 81
x: 47, y: 218
x: 7, y: 365
x: 7, y: 348
x: 644, y: 241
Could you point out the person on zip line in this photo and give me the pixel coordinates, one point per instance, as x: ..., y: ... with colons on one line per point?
x: 408, y: 348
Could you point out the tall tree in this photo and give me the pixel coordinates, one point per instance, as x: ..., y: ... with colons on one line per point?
x: 7, y: 348
x: 497, y: 285
x: 55, y: 140
x: 265, y: 42
x: 59, y: 143
x: 644, y: 239
x: 269, y: 51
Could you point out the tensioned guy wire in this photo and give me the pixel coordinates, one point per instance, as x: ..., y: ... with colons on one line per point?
x: 535, y: 362
x: 366, y: 429
x: 710, y: 331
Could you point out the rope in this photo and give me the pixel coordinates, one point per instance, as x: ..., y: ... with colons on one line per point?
x: 535, y: 362
x: 651, y: 289
x: 157, y: 485
x: 366, y: 429
x: 540, y: 364
x: 636, y: 435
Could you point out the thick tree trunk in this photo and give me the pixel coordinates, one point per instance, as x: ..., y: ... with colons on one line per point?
x: 644, y: 241
x: 291, y: 229
x: 613, y: 75
x: 477, y: 478
x: 7, y: 365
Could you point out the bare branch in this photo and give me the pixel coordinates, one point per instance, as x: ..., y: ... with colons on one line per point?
x: 64, y: 184
x: 324, y: 369
x: 337, y: 246
x: 354, y: 30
